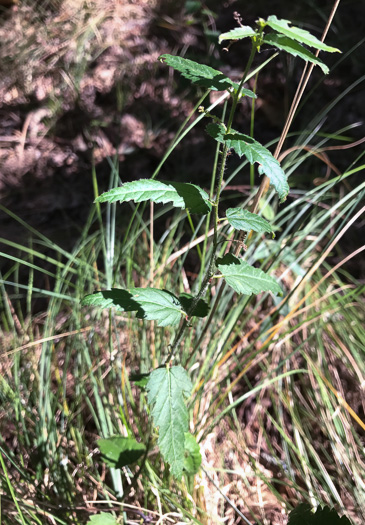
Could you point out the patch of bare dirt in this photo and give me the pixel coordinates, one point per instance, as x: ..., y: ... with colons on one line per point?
x: 79, y: 86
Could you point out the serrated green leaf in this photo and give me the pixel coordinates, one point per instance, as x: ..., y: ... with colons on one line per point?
x: 121, y: 300
x: 167, y: 389
x: 247, y: 93
x: 200, y: 310
x: 102, y: 519
x: 193, y: 458
x: 195, y: 198
x: 303, y: 515
x: 294, y: 48
x: 300, y: 35
x: 182, y: 195
x: 254, y: 152
x: 244, y: 278
x: 200, y: 74
x: 148, y: 303
x: 119, y: 451
x: 158, y: 305
x: 203, y: 75
x: 237, y: 33
x: 245, y: 220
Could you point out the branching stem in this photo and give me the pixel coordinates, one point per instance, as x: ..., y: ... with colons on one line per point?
x: 265, y: 182
x: 211, y: 266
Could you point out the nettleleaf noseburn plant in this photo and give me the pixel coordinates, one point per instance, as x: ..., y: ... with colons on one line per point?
x: 169, y: 385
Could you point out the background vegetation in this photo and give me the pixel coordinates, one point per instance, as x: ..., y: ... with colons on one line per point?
x: 279, y: 407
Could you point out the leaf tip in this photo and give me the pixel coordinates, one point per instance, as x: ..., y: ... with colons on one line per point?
x: 100, y: 198
x: 222, y: 36
x: 283, y: 197
x: 85, y: 301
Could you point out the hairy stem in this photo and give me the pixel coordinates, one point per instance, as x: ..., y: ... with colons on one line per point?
x: 211, y: 266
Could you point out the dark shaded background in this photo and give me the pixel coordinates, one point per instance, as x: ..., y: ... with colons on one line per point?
x: 64, y: 111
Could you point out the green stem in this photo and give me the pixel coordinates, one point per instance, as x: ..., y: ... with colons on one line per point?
x: 211, y: 266
x: 211, y: 195
x: 236, y: 96
x: 252, y: 166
